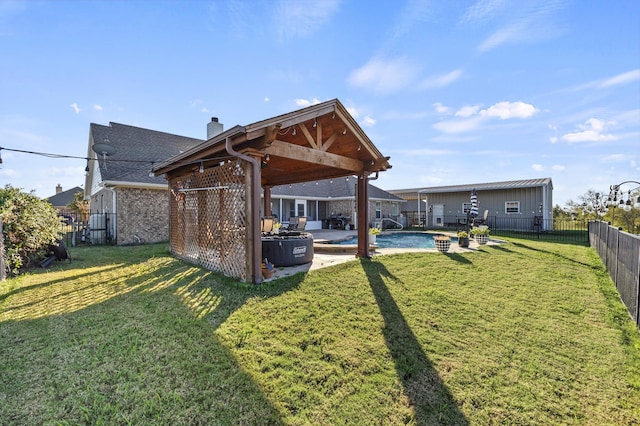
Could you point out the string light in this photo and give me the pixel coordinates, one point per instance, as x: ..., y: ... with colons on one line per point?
x: 106, y: 160
x: 315, y: 123
x: 201, y: 168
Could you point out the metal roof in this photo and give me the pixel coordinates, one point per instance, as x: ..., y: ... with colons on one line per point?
x: 489, y: 186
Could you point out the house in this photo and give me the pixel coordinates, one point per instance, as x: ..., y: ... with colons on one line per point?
x: 218, y: 186
x: 127, y: 203
x: 331, y: 204
x: 62, y: 199
x: 517, y: 205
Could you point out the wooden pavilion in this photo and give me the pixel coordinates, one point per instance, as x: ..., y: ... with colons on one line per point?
x: 216, y: 186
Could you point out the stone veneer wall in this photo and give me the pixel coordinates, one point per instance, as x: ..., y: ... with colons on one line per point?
x: 142, y: 212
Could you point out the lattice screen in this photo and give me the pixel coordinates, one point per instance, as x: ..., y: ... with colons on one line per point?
x: 208, y: 219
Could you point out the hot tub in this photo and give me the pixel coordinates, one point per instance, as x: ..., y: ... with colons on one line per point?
x: 288, y: 249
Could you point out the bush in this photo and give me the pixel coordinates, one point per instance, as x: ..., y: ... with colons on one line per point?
x: 30, y: 226
x: 480, y: 230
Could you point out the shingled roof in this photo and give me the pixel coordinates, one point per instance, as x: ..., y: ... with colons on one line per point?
x: 137, y: 151
x: 64, y: 198
x: 330, y: 188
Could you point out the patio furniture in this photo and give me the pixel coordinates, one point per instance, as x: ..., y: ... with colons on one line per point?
x: 481, y: 220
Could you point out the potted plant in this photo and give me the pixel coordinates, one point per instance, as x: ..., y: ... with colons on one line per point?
x: 443, y: 242
x: 372, y: 234
x: 463, y: 239
x: 481, y: 234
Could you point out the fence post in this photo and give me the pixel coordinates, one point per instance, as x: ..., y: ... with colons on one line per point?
x: 637, y: 278
x: 3, y: 263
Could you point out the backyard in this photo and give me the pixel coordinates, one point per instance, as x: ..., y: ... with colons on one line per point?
x: 526, y: 332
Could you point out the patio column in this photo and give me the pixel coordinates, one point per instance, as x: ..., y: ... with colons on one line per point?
x: 267, y: 202
x: 363, y: 216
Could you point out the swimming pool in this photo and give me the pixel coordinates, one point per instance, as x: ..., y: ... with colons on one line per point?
x: 400, y: 240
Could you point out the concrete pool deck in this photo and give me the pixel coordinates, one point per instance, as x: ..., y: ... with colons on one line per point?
x: 323, y: 260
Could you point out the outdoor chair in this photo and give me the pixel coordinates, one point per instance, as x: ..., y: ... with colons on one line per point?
x: 293, y: 223
x: 267, y: 225
x: 481, y: 220
x: 302, y: 223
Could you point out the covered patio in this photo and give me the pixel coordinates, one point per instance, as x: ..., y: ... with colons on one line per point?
x: 216, y: 186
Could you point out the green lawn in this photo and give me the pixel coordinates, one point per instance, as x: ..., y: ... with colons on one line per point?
x: 527, y: 332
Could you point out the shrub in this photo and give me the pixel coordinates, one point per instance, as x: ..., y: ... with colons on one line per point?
x: 480, y: 230
x: 30, y: 226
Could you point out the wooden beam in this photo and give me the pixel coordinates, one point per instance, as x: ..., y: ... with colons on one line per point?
x: 327, y: 144
x: 314, y: 156
x: 307, y: 135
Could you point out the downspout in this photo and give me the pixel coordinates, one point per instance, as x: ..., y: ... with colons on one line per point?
x: 255, y: 208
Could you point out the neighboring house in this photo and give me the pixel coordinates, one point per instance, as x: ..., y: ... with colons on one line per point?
x: 126, y: 201
x: 62, y: 199
x: 518, y: 204
x: 331, y: 203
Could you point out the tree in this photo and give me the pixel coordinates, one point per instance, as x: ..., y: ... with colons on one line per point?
x: 80, y: 205
x: 30, y: 227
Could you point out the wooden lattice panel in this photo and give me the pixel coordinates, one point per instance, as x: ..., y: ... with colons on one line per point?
x: 208, y: 219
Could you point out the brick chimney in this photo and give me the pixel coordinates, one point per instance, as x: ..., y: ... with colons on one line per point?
x: 58, y: 189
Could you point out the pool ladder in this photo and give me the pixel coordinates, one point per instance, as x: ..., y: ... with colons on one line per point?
x: 379, y: 223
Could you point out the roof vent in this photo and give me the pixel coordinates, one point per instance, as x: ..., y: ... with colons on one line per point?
x: 214, y: 128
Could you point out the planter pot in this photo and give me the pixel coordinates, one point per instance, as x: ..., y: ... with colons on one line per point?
x: 443, y: 245
x: 482, y: 239
x: 463, y: 242
x: 372, y: 238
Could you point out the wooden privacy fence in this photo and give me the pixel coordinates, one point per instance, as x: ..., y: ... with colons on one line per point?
x: 208, y: 224
x: 620, y: 253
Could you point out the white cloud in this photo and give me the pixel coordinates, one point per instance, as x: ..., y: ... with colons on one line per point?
x: 505, y: 110
x: 306, y: 102
x: 553, y: 139
x: 384, y: 76
x: 439, y: 81
x: 520, y: 22
x: 353, y: 111
x: 614, y: 158
x: 558, y: 167
x: 441, y: 108
x: 204, y: 110
x: 368, y: 121
x: 302, y: 17
x: 74, y: 107
x: 481, y: 10
x: 591, y: 131
x: 9, y: 173
x: 624, y: 78
x: 472, y: 117
x: 97, y: 107
x: 467, y: 111
x: 537, y: 167
x: 266, y: 99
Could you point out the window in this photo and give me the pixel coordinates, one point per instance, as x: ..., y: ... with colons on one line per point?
x: 466, y: 207
x: 394, y: 209
x: 378, y: 210
x: 511, y: 207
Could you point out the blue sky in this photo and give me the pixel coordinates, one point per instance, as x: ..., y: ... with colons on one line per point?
x: 455, y: 92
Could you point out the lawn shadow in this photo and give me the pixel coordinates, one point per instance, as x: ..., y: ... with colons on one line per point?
x: 528, y: 247
x: 458, y: 258
x: 157, y: 319
x: 431, y: 400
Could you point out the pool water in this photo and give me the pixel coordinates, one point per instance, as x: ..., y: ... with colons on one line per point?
x: 401, y: 240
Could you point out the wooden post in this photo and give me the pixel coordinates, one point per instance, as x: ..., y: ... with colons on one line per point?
x: 267, y: 202
x: 363, y: 216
